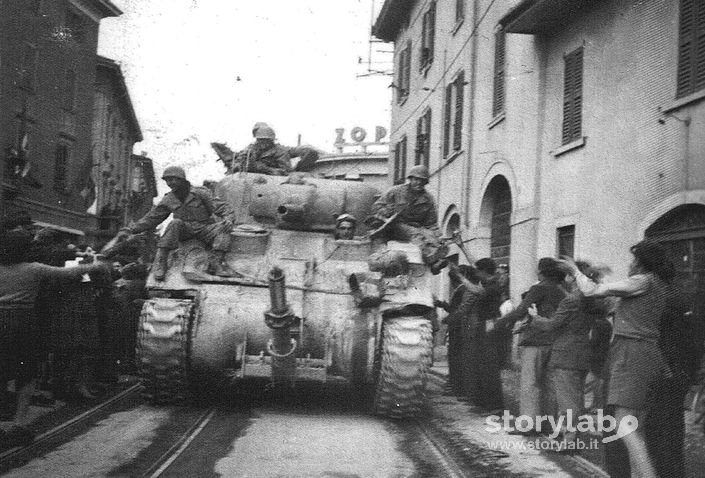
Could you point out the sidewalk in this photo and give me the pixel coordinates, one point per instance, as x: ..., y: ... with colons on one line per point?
x: 589, y: 459
x: 510, y: 454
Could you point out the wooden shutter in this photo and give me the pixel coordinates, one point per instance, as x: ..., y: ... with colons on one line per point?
x: 458, y: 123
x: 419, y: 150
x: 691, y: 48
x: 459, y: 10
x: 446, y: 119
x: 400, y: 76
x: 431, y: 31
x: 427, y: 138
x: 61, y: 159
x: 402, y: 160
x: 572, y: 96
x: 499, y: 61
x: 407, y: 69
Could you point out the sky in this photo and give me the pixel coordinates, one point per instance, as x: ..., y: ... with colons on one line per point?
x: 200, y: 71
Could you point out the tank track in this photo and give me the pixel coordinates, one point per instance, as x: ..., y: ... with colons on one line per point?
x: 404, y: 361
x: 163, y: 349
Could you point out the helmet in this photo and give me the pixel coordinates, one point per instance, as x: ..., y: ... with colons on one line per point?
x: 174, y: 172
x: 264, y: 132
x: 420, y: 171
x: 345, y: 218
x: 257, y: 126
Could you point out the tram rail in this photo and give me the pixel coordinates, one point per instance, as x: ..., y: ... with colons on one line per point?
x: 10, y: 457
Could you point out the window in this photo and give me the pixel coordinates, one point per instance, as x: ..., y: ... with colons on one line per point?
x: 423, y: 139
x: 69, y: 99
x: 62, y: 156
x: 428, y: 36
x: 573, y: 96
x: 28, y: 67
x: 75, y: 25
x: 400, y: 161
x: 403, y: 73
x: 565, y: 241
x: 499, y: 74
x: 453, y: 121
x: 691, y: 48
x: 459, y: 10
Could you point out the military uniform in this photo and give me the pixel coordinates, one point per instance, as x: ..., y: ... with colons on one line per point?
x: 417, y: 220
x: 193, y: 218
x: 275, y: 160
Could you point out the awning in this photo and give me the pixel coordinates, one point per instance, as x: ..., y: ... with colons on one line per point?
x: 537, y: 17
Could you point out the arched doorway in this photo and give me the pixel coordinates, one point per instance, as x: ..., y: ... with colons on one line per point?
x: 682, y: 231
x: 496, y: 212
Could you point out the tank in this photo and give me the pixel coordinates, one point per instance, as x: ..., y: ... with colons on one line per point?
x: 302, y: 307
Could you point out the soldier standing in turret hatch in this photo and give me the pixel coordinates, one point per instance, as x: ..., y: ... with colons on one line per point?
x: 416, y: 219
x: 194, y: 209
x: 267, y: 157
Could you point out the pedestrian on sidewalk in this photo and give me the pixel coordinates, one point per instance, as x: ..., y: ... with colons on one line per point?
x: 536, y: 344
x: 19, y: 328
x: 484, y: 362
x: 453, y: 322
x: 570, y: 351
x: 636, y: 362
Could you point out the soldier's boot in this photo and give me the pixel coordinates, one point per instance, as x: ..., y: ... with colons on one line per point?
x: 218, y: 266
x: 159, y: 266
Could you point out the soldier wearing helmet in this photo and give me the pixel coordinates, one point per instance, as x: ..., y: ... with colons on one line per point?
x: 416, y: 217
x: 345, y: 227
x: 195, y: 211
x: 267, y: 157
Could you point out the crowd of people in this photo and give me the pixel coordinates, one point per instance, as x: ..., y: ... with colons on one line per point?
x: 632, y: 340
x: 67, y: 320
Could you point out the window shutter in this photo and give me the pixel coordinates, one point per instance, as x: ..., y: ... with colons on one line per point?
x: 397, y: 152
x: 499, y: 61
x: 402, y: 168
x: 400, y: 76
x: 431, y: 31
x: 407, y: 69
x: 572, y: 96
x: 423, y: 57
x: 458, y: 126
x: 686, y: 38
x: 700, y: 47
x: 61, y: 157
x: 419, y: 150
x: 577, y: 110
x: 446, y: 120
x: 427, y: 137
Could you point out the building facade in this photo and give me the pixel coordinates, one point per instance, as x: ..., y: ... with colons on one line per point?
x: 556, y: 127
x: 115, y: 132
x: 47, y: 73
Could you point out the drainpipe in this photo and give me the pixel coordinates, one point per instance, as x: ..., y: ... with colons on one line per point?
x: 465, y: 208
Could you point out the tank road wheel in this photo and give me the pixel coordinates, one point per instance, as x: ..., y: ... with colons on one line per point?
x: 163, y: 349
x: 404, y: 362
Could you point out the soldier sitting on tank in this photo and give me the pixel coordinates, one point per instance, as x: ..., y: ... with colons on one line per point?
x: 414, y: 217
x: 345, y: 227
x: 194, y: 209
x: 267, y: 157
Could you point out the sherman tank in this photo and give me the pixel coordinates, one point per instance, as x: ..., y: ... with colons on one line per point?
x: 302, y: 306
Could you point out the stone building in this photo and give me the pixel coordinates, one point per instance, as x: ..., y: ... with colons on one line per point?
x: 47, y: 72
x: 556, y: 127
x: 115, y: 132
